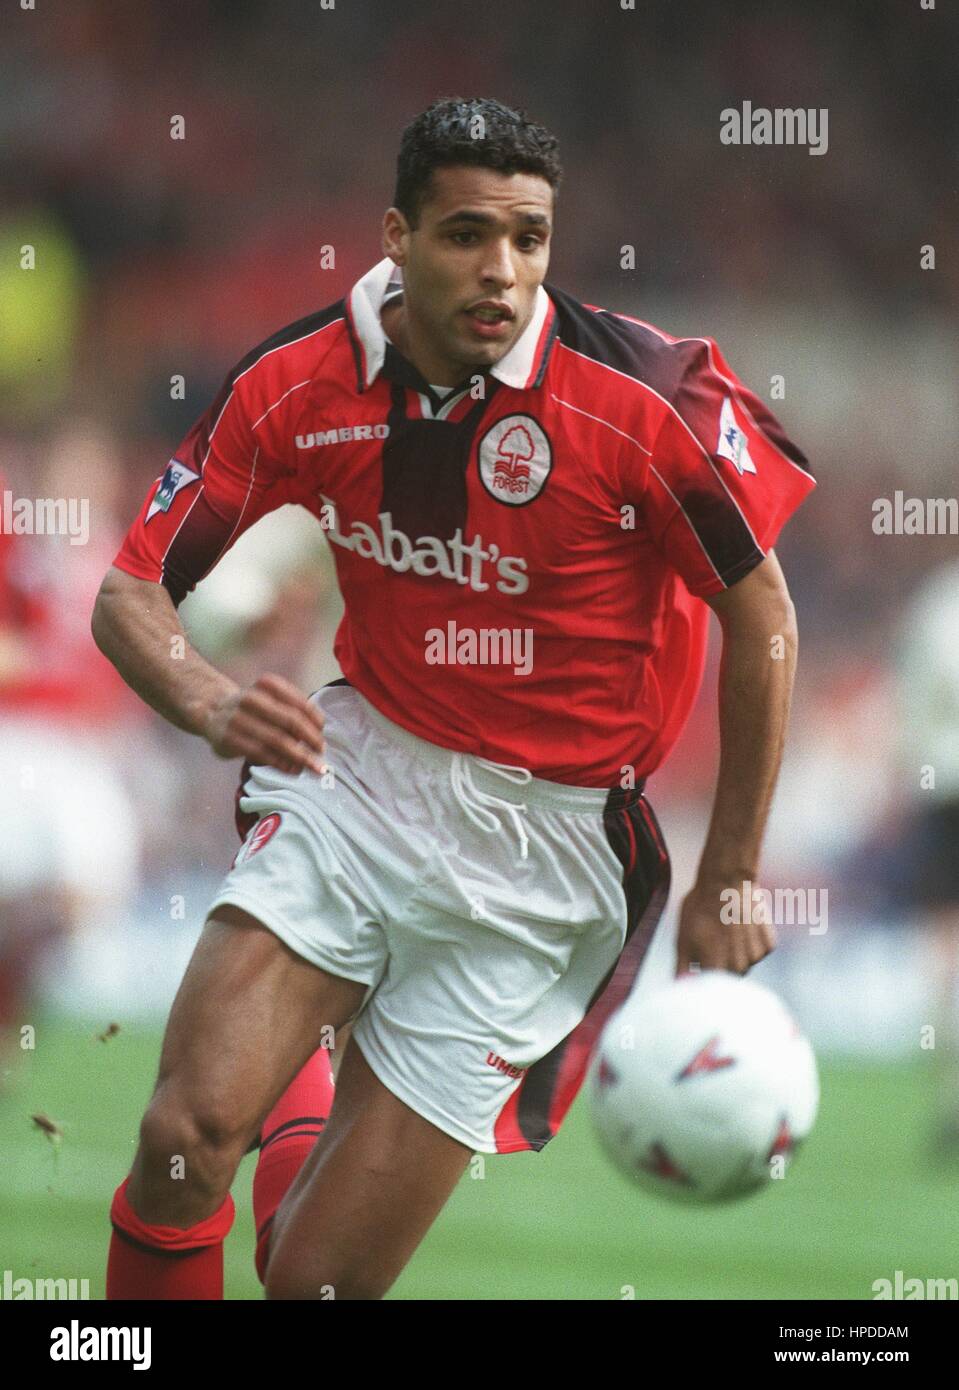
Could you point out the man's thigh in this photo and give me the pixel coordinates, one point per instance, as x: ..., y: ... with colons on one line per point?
x: 248, y: 1014
x: 369, y: 1192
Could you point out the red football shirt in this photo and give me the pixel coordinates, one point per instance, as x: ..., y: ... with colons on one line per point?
x: 522, y: 563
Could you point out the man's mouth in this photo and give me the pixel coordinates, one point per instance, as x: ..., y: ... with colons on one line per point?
x: 489, y: 314
x: 489, y: 320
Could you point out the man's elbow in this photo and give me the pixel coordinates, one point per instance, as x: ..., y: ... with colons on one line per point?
x: 103, y: 618
x: 100, y: 621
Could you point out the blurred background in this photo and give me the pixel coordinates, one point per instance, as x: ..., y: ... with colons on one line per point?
x: 158, y: 259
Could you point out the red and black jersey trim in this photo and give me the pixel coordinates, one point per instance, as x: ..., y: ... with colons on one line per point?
x: 544, y: 347
x: 300, y: 328
x: 675, y: 369
x: 205, y: 533
x: 537, y: 1107
x: 625, y: 346
x: 199, y: 543
x: 658, y: 361
x: 425, y: 462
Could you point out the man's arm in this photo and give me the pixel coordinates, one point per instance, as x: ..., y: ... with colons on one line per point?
x: 136, y: 626
x: 760, y: 642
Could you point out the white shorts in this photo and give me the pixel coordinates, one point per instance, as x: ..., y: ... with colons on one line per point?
x: 496, y: 919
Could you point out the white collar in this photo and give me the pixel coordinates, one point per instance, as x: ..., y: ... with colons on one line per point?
x: 520, y: 368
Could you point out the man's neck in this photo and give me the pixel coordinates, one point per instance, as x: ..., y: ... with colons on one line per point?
x: 395, y: 325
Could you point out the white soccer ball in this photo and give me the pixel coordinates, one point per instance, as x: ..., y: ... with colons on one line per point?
x: 701, y: 1091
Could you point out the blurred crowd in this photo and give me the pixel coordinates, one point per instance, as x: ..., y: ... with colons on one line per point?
x: 158, y: 258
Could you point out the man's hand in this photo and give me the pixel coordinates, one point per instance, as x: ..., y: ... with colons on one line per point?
x: 271, y: 724
x: 708, y: 941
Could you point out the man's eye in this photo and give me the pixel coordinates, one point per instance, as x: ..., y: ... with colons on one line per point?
x: 534, y: 241
x: 457, y: 235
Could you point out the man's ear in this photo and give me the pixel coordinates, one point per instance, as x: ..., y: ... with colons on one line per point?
x: 396, y: 234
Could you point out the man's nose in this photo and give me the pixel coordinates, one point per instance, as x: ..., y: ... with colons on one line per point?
x: 498, y: 265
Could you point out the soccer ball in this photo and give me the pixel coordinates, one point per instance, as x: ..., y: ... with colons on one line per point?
x: 701, y: 1091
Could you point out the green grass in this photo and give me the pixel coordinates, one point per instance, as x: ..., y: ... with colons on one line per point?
x: 861, y: 1201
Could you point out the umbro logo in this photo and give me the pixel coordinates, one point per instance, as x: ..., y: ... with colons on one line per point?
x: 494, y: 1060
x: 344, y: 434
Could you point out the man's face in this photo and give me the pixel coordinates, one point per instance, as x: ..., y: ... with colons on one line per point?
x: 472, y: 266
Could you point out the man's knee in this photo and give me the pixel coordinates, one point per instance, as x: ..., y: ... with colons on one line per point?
x: 197, y: 1143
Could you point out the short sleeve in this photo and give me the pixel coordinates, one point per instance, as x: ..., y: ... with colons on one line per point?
x: 216, y: 485
x: 723, y: 477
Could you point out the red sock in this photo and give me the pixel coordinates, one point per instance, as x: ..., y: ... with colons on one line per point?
x: 289, y: 1133
x: 160, y: 1263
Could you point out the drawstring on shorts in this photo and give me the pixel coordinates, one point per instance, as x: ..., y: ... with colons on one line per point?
x: 482, y: 807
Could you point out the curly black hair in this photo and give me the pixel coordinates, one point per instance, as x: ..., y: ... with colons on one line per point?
x: 470, y: 130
